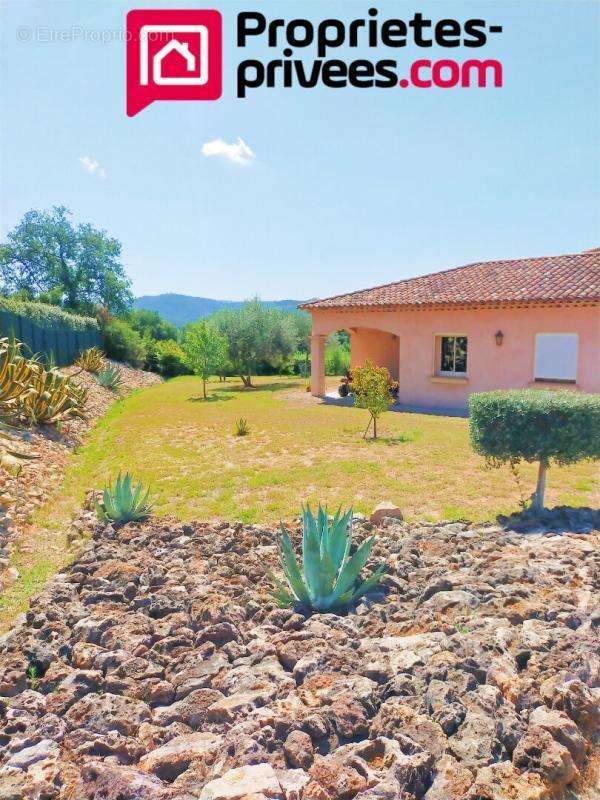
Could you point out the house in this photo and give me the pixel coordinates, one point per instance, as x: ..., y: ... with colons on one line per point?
x: 532, y: 322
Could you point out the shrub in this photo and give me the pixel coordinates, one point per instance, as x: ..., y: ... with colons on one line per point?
x: 122, y: 343
x: 370, y: 386
x: 329, y: 578
x: 91, y: 360
x: 170, y: 358
x: 111, y: 377
x: 124, y: 502
x: 47, y: 316
x: 535, y: 425
x: 241, y: 427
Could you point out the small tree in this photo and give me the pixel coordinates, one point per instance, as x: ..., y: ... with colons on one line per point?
x: 370, y: 386
x: 535, y: 425
x: 205, y: 350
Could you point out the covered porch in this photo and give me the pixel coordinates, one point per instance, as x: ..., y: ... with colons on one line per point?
x: 379, y: 346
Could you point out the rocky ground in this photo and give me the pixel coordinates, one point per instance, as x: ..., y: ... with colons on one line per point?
x: 156, y: 668
x: 49, y: 449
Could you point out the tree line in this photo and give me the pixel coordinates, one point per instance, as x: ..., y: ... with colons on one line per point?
x: 50, y: 259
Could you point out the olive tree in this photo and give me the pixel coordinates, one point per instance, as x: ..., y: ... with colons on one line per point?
x: 255, y: 333
x: 370, y: 386
x: 535, y: 426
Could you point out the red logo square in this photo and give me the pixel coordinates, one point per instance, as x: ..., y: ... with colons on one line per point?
x: 173, y: 55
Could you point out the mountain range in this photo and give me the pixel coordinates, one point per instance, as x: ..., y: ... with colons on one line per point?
x: 182, y: 308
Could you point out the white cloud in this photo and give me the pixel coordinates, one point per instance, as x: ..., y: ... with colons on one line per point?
x: 238, y: 152
x: 93, y: 167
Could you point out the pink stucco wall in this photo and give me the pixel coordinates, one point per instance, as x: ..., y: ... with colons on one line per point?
x: 489, y: 366
x: 380, y: 347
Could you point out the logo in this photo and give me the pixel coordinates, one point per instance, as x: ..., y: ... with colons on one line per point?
x: 173, y: 55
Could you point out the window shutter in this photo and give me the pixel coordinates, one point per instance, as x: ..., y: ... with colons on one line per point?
x: 556, y: 356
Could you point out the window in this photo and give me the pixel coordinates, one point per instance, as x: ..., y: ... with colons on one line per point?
x: 556, y: 356
x: 451, y: 355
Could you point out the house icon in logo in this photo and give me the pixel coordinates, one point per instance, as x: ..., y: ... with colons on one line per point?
x: 174, y: 45
x: 200, y: 76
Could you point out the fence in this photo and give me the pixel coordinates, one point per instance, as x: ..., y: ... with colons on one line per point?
x: 61, y: 343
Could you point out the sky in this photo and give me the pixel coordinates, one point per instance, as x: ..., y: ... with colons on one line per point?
x: 330, y: 190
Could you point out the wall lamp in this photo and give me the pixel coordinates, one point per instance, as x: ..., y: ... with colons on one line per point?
x: 499, y: 337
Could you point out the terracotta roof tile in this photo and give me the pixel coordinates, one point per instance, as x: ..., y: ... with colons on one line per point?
x: 568, y: 278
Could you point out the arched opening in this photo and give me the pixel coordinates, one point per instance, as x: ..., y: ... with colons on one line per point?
x: 380, y: 347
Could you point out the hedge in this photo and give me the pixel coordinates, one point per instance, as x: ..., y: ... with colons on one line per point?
x: 48, y: 330
x: 47, y: 316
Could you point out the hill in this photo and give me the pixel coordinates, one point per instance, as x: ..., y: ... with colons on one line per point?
x: 182, y: 308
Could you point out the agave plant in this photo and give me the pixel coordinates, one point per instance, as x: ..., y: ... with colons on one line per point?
x: 91, y: 360
x: 111, y: 377
x: 52, y: 397
x: 329, y: 578
x: 15, y: 376
x: 241, y: 427
x: 123, y: 502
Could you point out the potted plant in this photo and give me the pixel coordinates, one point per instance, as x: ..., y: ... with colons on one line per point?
x: 344, y: 387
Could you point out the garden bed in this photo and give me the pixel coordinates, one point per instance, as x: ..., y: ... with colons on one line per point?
x: 49, y: 449
x: 156, y: 668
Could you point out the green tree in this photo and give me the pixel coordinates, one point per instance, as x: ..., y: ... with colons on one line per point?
x: 47, y: 254
x: 535, y: 425
x: 370, y: 386
x: 255, y: 333
x: 150, y: 324
x: 205, y: 350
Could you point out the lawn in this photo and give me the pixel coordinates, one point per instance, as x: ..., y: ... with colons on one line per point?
x: 298, y: 450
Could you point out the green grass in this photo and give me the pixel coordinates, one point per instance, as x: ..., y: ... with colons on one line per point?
x: 34, y: 567
x: 297, y: 450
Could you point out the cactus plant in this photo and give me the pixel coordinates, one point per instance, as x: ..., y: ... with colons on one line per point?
x: 123, y: 502
x: 31, y: 391
x: 15, y: 376
x: 111, y: 377
x: 91, y: 360
x: 329, y: 577
x: 52, y: 397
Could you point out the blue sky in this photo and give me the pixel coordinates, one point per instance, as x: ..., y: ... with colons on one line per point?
x: 348, y: 188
